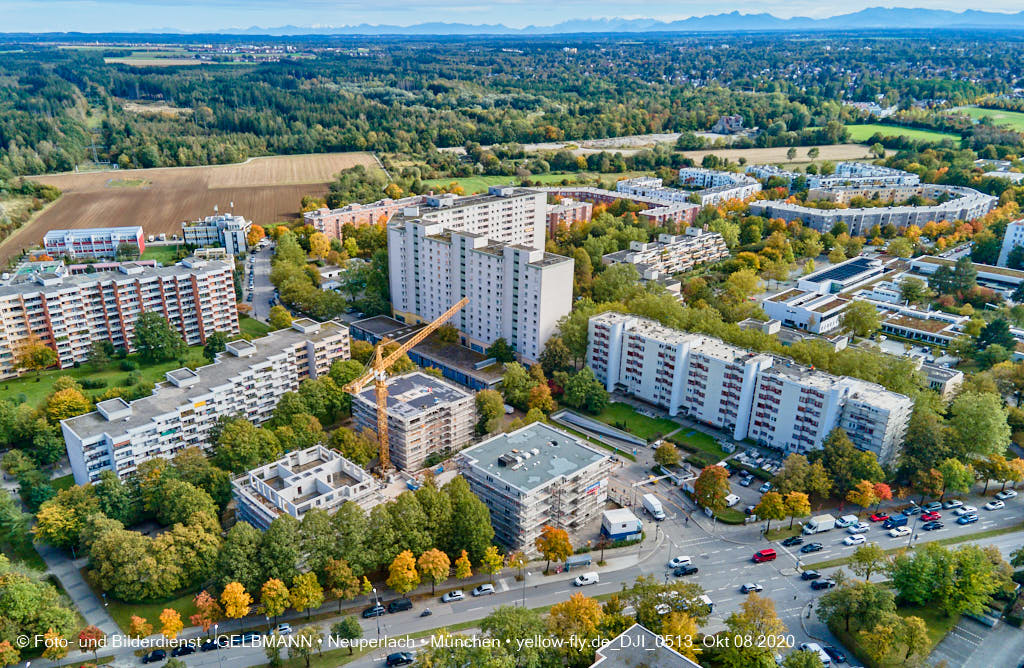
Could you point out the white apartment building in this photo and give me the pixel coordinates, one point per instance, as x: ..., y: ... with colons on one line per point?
x: 226, y: 230
x: 672, y: 253
x: 714, y: 187
x: 316, y: 477
x: 700, y: 178
x: 489, y: 252
x: 847, y: 174
x: 535, y: 476
x: 425, y: 415
x: 752, y: 395
x: 93, y: 242
x: 69, y: 313
x: 1014, y: 237
x: 246, y: 380
x: 810, y: 311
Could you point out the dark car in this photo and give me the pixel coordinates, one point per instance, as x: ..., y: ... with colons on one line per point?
x: 400, y: 659
x: 183, y: 650
x: 932, y: 526
x: 399, y: 605
x: 812, y: 547
x: 827, y: 583
x: 835, y: 654
x: 154, y: 656
x: 684, y: 570
x: 793, y: 540
x: 912, y: 510
x: 810, y: 575
x: 374, y: 611
x: 209, y: 645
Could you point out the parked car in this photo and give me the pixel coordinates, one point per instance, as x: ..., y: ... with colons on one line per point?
x: 767, y: 487
x: 931, y: 517
x: 456, y: 595
x: 746, y: 480
x: 793, y: 540
x: 932, y: 526
x: 399, y: 605
x: 931, y: 506
x: 399, y: 659
x: 967, y: 519
x: 952, y: 503
x: 283, y: 629
x: 684, y: 570
x: 911, y: 510
x: 859, y: 539
x: 751, y: 586
x: 483, y: 590
x: 810, y: 575
x: 879, y: 517
x: 812, y: 547
x: 899, y: 532
x: 183, y: 650
x: 965, y: 510
x: 208, y: 645
x: 995, y: 505
x: 835, y: 653
x: 1006, y: 494
x: 827, y: 583
x: 676, y: 562
x: 859, y: 527
x: 154, y: 656
x: 374, y: 611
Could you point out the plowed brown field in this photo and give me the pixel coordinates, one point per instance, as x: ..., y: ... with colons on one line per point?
x: 264, y: 190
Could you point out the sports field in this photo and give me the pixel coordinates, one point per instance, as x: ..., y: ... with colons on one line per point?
x: 866, y: 131
x: 1014, y: 119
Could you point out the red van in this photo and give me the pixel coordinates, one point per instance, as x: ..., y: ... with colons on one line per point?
x: 762, y: 556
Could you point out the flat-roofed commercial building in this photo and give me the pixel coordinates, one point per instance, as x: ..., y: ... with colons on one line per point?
x: 225, y: 230
x: 536, y: 476
x: 842, y: 276
x: 810, y: 311
x: 93, y: 241
x: 425, y: 415
x: 69, y: 313
x: 769, y: 399
x: 246, y: 380
x: 316, y: 477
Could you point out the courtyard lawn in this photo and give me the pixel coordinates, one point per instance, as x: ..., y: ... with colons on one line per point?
x: 691, y: 439
x: 63, y: 482
x: 625, y: 417
x: 862, y: 133
x: 163, y: 254
x: 252, y: 328
x: 36, y: 387
x: 1015, y: 119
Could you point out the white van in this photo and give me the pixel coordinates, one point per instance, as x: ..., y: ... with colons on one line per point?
x: 731, y: 500
x: 847, y: 521
x: 584, y: 579
x: 814, y: 647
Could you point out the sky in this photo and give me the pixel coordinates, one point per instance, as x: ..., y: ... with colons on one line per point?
x: 211, y: 15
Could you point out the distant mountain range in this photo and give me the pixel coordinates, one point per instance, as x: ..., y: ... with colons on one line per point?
x: 878, y: 18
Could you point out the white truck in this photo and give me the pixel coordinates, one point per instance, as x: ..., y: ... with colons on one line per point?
x: 653, y: 506
x: 819, y: 523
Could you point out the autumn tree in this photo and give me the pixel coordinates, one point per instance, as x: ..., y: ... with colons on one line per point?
x: 33, y: 355
x: 274, y: 598
x: 402, y: 574
x: 56, y: 646
x: 553, y: 544
x: 771, y: 507
x: 711, y: 487
x: 319, y: 245
x: 170, y: 623
x: 755, y: 619
x: 798, y: 504
x: 435, y: 566
x: 279, y: 317
x: 578, y: 618
x: 208, y: 611
x: 680, y: 633
x: 666, y: 455
x: 463, y: 567
x: 306, y: 593
x: 235, y: 600
x: 65, y: 404
x: 863, y: 494
x: 89, y: 640
x: 9, y: 655
x: 341, y: 582
x: 138, y: 627
x: 492, y: 562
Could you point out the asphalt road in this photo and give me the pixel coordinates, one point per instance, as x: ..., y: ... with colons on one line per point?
x: 264, y: 290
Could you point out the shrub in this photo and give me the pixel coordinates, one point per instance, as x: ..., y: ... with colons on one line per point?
x: 129, y: 365
x: 92, y: 384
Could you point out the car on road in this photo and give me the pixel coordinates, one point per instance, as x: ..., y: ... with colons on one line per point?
x: 751, y: 586
x: 859, y: 527
x: 684, y: 570
x: 399, y: 605
x: 879, y: 517
x: 952, y: 503
x: 967, y: 519
x: 483, y: 590
x: 812, y: 547
x: 399, y: 659
x: 584, y: 579
x: 995, y: 505
x: 855, y: 540
x: 676, y: 562
x: 457, y: 595
x: 767, y: 554
x: 965, y: 510
x: 793, y: 540
x: 931, y: 517
x: 931, y: 506
x: 810, y: 575
x: 815, y: 648
x: 932, y: 526
x: 249, y: 297
x: 283, y: 629
x: 154, y: 656
x: 183, y: 650
x: 208, y: 645
x: 767, y: 487
x: 835, y: 653
x: 374, y: 611
x: 899, y: 532
x: 1006, y: 494
x: 746, y: 480
x: 827, y: 583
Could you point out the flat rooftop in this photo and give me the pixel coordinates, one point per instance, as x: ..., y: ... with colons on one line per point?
x: 910, y: 322
x: 414, y: 393
x: 845, y: 270
x: 533, y: 456
x: 139, y: 272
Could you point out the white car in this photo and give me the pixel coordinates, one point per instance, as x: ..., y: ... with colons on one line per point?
x: 483, y: 590
x: 456, y: 595
x: 663, y: 608
x: 994, y: 505
x: 855, y: 540
x: 585, y: 579
x: 676, y: 562
x: 751, y: 586
x: 283, y: 629
x: 857, y: 528
x: 952, y: 503
x: 899, y: 532
x: 965, y: 510
x: 1006, y: 494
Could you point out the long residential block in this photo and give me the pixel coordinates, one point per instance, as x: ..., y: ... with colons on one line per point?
x: 333, y: 221
x: 536, y: 476
x: 93, y: 241
x: 672, y: 253
x: 769, y: 399
x: 69, y: 313
x: 246, y: 380
x: 425, y: 415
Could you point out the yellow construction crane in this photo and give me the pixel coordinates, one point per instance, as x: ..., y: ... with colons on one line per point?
x: 377, y: 371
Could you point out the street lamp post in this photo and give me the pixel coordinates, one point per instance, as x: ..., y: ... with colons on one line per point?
x: 376, y: 602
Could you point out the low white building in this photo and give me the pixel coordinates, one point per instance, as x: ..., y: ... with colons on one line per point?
x: 843, y: 276
x: 1014, y: 237
x: 226, y: 230
x: 810, y: 311
x: 672, y: 253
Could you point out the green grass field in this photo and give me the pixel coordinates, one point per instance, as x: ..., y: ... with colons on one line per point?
x: 1014, y: 119
x: 626, y: 418
x: 862, y: 133
x: 163, y: 254
x: 252, y: 328
x: 476, y: 184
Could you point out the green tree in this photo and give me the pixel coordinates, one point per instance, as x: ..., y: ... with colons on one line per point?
x: 861, y: 318
x: 280, y: 549
x: 516, y: 385
x: 215, y: 343
x: 279, y: 317
x: 956, y: 476
x: 997, y: 332
x: 490, y: 407
x: 360, y: 448
x: 666, y: 455
x: 583, y: 390
x: 347, y: 629
x: 501, y: 351
x: 274, y: 598
x: 237, y: 560
x: 914, y: 290
x: 307, y: 640
x: 306, y: 593
x: 978, y: 423
x: 867, y: 559
x: 471, y: 528
x: 864, y: 602
x: 508, y: 623
x: 241, y: 446
x: 555, y: 356
x: 771, y: 507
x: 155, y: 339
x: 616, y: 283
